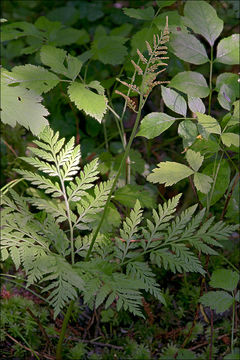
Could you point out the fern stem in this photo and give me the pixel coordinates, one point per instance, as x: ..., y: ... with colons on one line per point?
x: 63, y: 331
x: 126, y: 153
x: 210, y: 82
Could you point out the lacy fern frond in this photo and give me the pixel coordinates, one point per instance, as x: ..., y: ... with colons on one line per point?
x: 64, y: 282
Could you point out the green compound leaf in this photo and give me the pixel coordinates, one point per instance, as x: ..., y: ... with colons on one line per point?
x: 174, y: 101
x: 188, y: 131
x: 54, y: 58
x: 194, y: 159
x: 210, y: 124
x: 219, y: 301
x: 195, y: 104
x: 109, y: 49
x: 35, y: 78
x: 169, y: 173
x: 155, y: 124
x: 188, y: 48
x: 191, y: 83
x: 140, y: 14
x: 202, y: 182
x: 224, y: 279
x: 227, y: 86
x: 202, y: 19
x: 228, y: 50
x: 229, y: 139
x: 91, y: 103
x: 21, y: 106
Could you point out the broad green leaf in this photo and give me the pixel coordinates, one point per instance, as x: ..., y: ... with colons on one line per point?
x: 128, y: 194
x: 174, y: 101
x: 91, y: 103
x: 228, y: 50
x: 164, y: 3
x: 191, y: 83
x: 202, y: 182
x: 139, y: 38
x: 222, y: 181
x: 196, y: 104
x: 226, y: 96
x: 175, y: 22
x: 169, y: 173
x: 228, y: 79
x: 155, y: 124
x: 67, y: 15
x: 219, y: 301
x: 35, y: 78
x: 54, y: 58
x: 224, y: 279
x: 202, y: 18
x: 210, y: 124
x: 188, y: 48
x: 18, y: 29
x: 229, y: 139
x: 109, y: 49
x: 122, y: 30
x: 188, y: 131
x: 68, y: 36
x: 140, y: 14
x: 195, y: 159
x: 19, y: 105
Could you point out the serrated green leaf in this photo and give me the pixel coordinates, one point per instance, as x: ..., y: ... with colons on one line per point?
x: 191, y: 83
x: 188, y: 48
x: 174, y: 101
x: 155, y: 124
x: 22, y: 106
x: 224, y: 279
x: 202, y: 18
x: 228, y: 50
x: 210, y: 124
x: 54, y: 58
x: 140, y: 14
x: 194, y: 159
x: 221, y: 184
x: 202, y: 182
x: 18, y: 29
x: 91, y: 103
x: 196, y: 104
x: 229, y: 139
x: 35, y: 78
x: 188, y: 131
x: 109, y: 49
x: 219, y: 301
x: 169, y: 173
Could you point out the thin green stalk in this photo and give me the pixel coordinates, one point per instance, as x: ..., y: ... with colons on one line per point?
x: 233, y: 321
x: 63, y: 331
x: 210, y: 82
x: 105, y: 135
x: 214, y: 183
x: 126, y: 153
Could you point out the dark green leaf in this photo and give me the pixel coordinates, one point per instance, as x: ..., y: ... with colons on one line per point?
x: 140, y: 14
x: 174, y: 101
x: 228, y: 50
x: 191, y: 83
x: 155, y: 124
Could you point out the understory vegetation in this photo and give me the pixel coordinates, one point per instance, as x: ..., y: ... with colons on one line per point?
x: 120, y: 179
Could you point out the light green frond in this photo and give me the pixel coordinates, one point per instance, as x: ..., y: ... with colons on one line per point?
x: 42, y: 182
x: 66, y: 152
x: 85, y: 181
x: 41, y: 165
x: 71, y: 167
x: 52, y: 207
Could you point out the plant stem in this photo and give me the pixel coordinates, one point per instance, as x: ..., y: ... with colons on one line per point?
x: 126, y: 153
x: 63, y: 331
x: 210, y: 82
x: 233, y: 320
